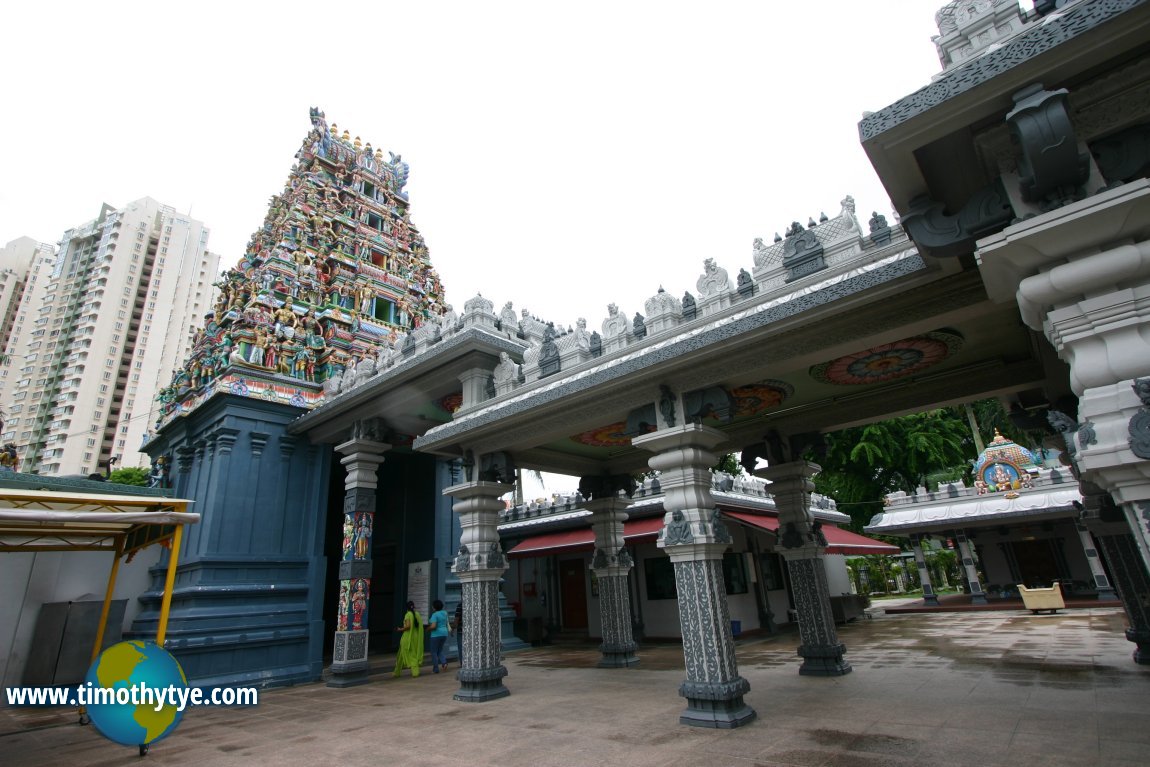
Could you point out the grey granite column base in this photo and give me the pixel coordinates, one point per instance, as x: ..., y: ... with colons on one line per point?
x: 479, y: 685
x: 716, y: 705
x: 824, y: 661
x: 618, y: 656
x: 349, y: 665
x: 348, y: 674
x: 1141, y: 639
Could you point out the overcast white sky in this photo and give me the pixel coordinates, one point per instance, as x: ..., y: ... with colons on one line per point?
x: 563, y: 155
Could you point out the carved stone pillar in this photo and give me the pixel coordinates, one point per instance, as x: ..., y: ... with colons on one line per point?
x: 362, y: 458
x: 803, y: 547
x: 1081, y: 276
x: 612, y: 566
x: 1107, y: 522
x: 479, y: 565
x: 1101, y: 582
x: 966, y: 554
x: 1133, y: 582
x: 928, y: 596
x: 695, y: 539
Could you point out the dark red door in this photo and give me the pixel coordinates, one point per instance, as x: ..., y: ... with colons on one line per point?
x: 573, y: 585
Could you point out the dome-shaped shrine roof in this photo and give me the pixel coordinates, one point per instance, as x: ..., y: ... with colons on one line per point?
x: 1002, y: 449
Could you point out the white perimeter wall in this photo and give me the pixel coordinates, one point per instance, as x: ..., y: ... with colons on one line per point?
x: 28, y: 581
x: 660, y: 616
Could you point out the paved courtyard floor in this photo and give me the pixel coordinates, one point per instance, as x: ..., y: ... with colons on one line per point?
x: 982, y: 689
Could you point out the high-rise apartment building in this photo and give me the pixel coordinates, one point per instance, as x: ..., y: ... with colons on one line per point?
x: 101, y: 325
x: 25, y: 263
x: 16, y: 259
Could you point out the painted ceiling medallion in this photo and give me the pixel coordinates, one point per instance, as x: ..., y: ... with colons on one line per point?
x: 889, y: 361
x: 757, y: 397
x: 611, y: 435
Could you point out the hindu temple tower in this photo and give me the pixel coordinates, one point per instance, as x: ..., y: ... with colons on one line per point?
x: 330, y: 285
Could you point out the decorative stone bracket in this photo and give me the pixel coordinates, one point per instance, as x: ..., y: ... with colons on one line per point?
x: 1140, y: 421
x: 1052, y: 167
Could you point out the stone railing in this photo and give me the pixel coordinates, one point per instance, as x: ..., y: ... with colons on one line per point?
x: 649, y: 488
x: 805, y: 257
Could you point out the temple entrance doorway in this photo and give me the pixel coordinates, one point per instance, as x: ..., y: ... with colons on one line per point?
x: 1036, y: 563
x: 573, y: 593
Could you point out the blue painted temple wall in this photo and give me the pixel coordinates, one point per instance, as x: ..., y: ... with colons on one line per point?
x: 256, y: 588
x: 247, y: 607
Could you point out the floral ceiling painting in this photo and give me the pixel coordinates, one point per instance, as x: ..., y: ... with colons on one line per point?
x: 889, y: 361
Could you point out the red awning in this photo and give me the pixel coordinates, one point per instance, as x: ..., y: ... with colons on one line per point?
x: 770, y: 524
x: 839, y: 541
x: 639, y: 530
x: 564, y: 540
x: 634, y: 531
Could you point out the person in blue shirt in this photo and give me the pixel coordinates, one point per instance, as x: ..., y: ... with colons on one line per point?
x: 439, y: 631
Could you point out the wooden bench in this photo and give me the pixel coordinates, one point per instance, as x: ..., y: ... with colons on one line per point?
x: 1038, y: 600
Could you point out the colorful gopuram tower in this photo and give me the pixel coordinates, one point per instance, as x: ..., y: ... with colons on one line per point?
x: 337, y: 274
x: 333, y: 281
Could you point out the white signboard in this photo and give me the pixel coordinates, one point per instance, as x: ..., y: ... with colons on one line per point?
x: 419, y: 577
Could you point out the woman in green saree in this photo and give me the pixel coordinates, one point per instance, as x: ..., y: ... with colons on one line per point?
x: 410, y: 653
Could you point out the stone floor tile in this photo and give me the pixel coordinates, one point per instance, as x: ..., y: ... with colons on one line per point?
x: 943, y: 690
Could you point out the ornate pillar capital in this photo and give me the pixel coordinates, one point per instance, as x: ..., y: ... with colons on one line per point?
x: 791, y: 487
x: 362, y: 450
x: 607, y: 518
x: 361, y: 458
x: 689, y: 435
x: 480, y: 557
x: 693, y: 529
x: 479, y: 489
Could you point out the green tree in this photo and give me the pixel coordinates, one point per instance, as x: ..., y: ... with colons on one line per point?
x: 1023, y: 428
x: 864, y: 463
x: 131, y: 475
x: 943, y: 565
x: 729, y: 464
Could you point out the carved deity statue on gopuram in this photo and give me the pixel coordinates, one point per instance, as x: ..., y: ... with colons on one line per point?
x: 335, y: 279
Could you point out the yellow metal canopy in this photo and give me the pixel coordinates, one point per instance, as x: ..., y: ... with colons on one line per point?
x: 92, y: 520
x: 48, y: 520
